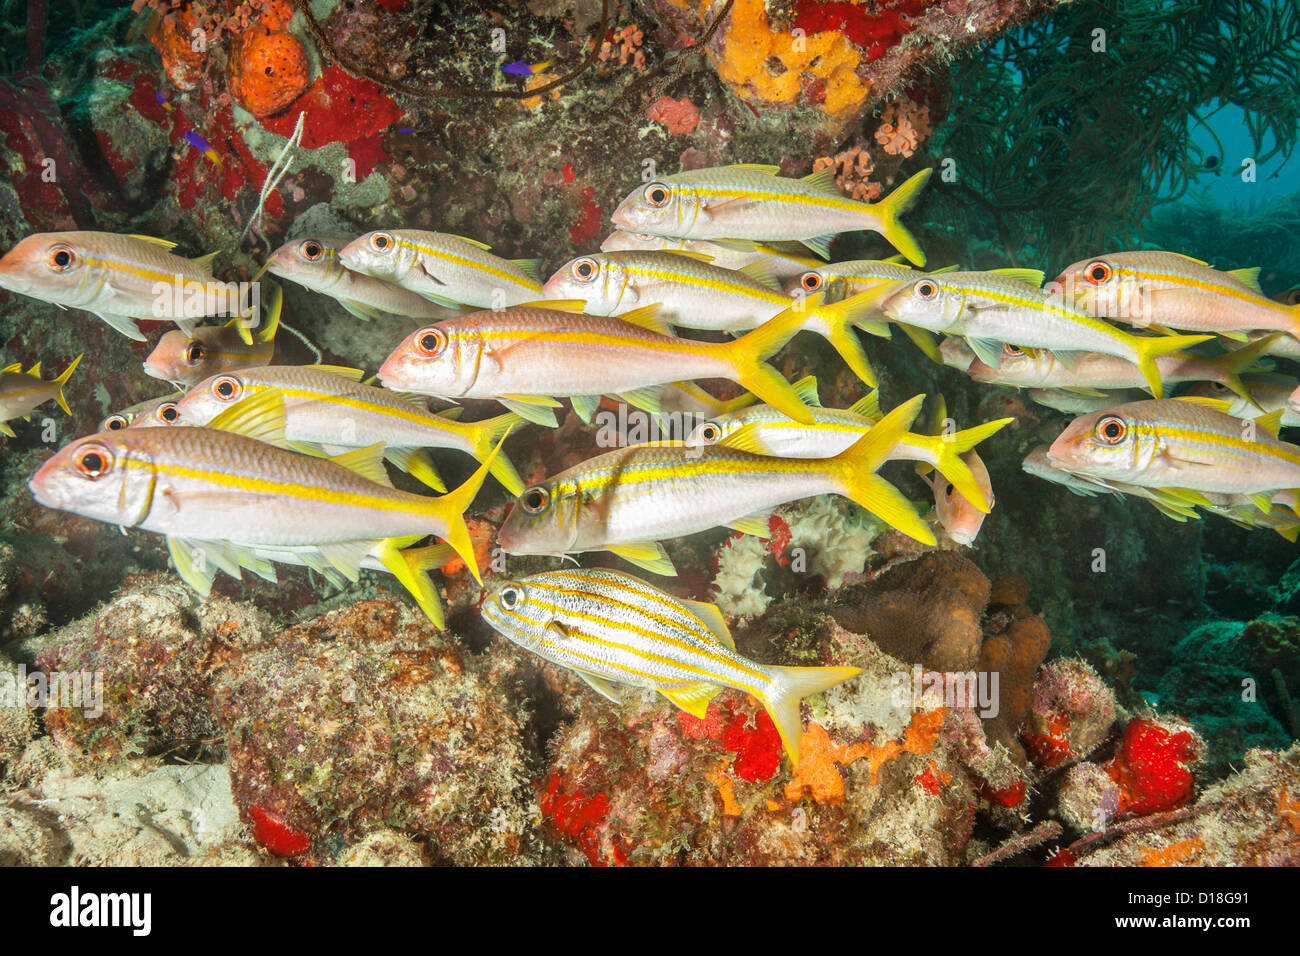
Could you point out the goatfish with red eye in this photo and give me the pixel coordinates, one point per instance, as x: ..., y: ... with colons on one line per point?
x: 835, y: 430
x: 1073, y: 402
x: 137, y: 412
x: 314, y: 264
x: 750, y: 201
x: 525, y: 357
x: 22, y: 392
x: 691, y: 292
x: 1093, y: 372
x: 119, y: 278
x: 328, y: 409
x: 1172, y: 291
x: 1268, y: 392
x: 222, y: 493
x: 782, y: 260
x: 449, y: 270
x: 612, y: 628
x: 187, y: 358
x: 626, y: 500
x: 1180, y: 443
x: 958, y: 507
x: 1006, y: 306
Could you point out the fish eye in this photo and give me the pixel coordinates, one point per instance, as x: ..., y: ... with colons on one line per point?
x: 948, y: 492
x: 509, y: 598
x: 1112, y: 429
x: 227, y: 388
x: 61, y: 257
x: 115, y: 423
x: 381, y: 241
x: 710, y: 431
x: 1098, y: 273
x: 584, y: 270
x: 312, y: 250
x: 810, y: 281
x: 534, y: 499
x: 658, y: 194
x: 93, y: 461
x: 194, y: 352
x: 430, y: 342
x: 168, y: 413
x: 1012, y: 351
x: 926, y: 289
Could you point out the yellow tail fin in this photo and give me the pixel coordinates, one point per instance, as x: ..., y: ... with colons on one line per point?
x: 748, y: 357
x: 451, y: 508
x: 856, y: 470
x: 948, y: 451
x: 1149, y: 349
x: 411, y: 568
x: 893, y: 206
x: 488, y: 433
x: 63, y: 380
x: 1233, y: 363
x: 789, y: 686
x: 840, y: 320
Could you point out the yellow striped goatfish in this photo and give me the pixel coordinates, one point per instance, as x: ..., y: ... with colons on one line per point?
x: 118, y: 278
x: 749, y: 201
x: 611, y: 627
x: 329, y: 407
x: 450, y: 270
x: 835, y: 430
x: 1091, y: 371
x: 1179, y: 443
x: 993, y: 309
x: 229, y: 489
x: 21, y: 392
x: 625, y: 500
x: 778, y: 259
x: 315, y: 264
x: 527, y: 356
x: 186, y: 358
x: 1174, y: 291
x: 1268, y: 393
x: 693, y: 293
x: 140, y: 411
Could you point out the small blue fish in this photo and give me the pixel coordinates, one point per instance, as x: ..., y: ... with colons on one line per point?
x: 203, y: 146
x: 521, y: 68
x: 163, y: 101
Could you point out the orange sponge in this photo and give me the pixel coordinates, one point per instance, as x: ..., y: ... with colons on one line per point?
x: 268, y: 71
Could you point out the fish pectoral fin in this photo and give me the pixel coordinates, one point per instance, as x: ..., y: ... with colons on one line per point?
x: 755, y: 524
x: 711, y: 618
x: 694, y: 698
x: 1261, y: 501
x: 600, y: 685
x: 530, y: 411
x: 197, y: 562
x: 347, y: 556
x: 124, y: 324
x: 367, y: 462
x: 585, y: 406
x: 260, y: 416
x: 648, y: 555
x: 987, y: 351
x: 647, y: 317
x: 358, y: 309
x: 646, y: 399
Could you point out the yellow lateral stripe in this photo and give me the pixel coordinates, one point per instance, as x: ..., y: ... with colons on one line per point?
x: 145, y: 272
x: 360, y: 404
x: 758, y: 465
x: 467, y: 263
x: 1200, y: 285
x: 1039, y: 305
x: 1193, y: 436
x: 716, y: 285
x: 710, y: 191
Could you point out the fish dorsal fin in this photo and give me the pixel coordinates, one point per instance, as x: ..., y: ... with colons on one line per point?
x: 761, y: 272
x: 35, y: 370
x: 529, y: 267
x: 204, y: 262
x: 1271, y: 422
x: 823, y: 181
x: 942, y: 269
x: 760, y: 168
x: 165, y: 243
x: 938, y: 415
x: 1248, y: 277
x: 15, y: 367
x: 694, y: 699
x: 745, y: 438
x: 868, y: 406
x: 711, y: 618
x: 691, y: 254
x: 351, y: 374
x: 1218, y: 404
x: 649, y: 555
x: 1032, y: 277
x: 261, y: 416
x: 367, y: 462
x: 473, y: 242
x: 1199, y: 262
x: 577, y: 306
x: 647, y: 317
x: 897, y: 259
x: 806, y: 389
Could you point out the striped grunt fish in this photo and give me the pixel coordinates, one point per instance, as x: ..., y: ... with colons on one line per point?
x: 21, y: 392
x: 749, y: 201
x: 1179, y: 443
x: 994, y: 309
x: 1174, y: 291
x: 527, y: 356
x: 611, y: 627
x: 118, y: 278
x: 230, y: 486
x: 625, y: 500
x: 314, y: 264
x: 329, y: 406
x: 450, y: 270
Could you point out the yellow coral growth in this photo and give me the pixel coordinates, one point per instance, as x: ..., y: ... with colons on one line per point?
x: 750, y: 43
x: 1173, y: 854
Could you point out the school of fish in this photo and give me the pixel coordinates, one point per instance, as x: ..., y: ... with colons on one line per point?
x: 708, y: 274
